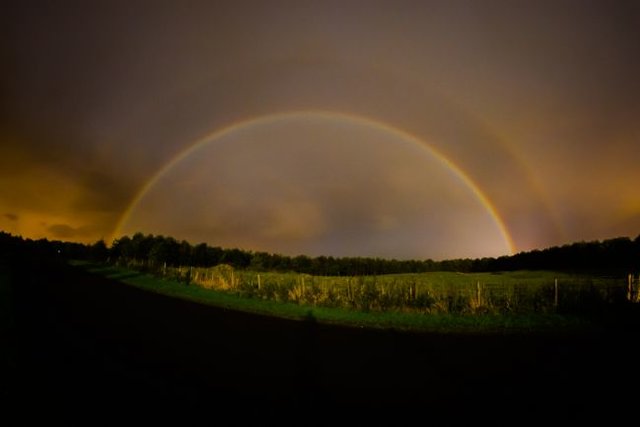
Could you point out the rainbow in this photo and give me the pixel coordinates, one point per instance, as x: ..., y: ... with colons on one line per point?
x: 263, y: 120
x: 531, y: 178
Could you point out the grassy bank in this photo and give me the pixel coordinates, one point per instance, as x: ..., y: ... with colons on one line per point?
x: 412, y: 321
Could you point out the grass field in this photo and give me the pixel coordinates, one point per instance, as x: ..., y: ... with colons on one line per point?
x: 440, y: 302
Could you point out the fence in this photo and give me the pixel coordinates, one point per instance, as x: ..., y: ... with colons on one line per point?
x: 426, y: 293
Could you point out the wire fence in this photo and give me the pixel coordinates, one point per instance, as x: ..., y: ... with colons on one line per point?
x: 455, y: 293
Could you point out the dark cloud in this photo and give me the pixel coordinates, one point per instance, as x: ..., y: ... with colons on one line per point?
x: 65, y: 231
x: 11, y: 217
x: 103, y: 193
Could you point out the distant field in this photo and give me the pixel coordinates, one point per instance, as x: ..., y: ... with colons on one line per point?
x: 444, y: 302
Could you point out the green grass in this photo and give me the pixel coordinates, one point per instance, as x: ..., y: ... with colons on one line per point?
x: 523, y: 292
x: 400, y: 320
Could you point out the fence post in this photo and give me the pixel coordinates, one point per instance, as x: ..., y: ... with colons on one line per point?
x: 259, y: 282
x: 555, y: 293
x: 478, y: 293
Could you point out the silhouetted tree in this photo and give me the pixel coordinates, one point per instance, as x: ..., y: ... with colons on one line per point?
x: 618, y: 255
x: 99, y: 251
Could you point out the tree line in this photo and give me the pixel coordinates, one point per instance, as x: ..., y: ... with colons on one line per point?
x: 620, y: 254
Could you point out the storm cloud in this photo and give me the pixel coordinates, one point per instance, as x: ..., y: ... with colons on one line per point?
x: 536, y: 102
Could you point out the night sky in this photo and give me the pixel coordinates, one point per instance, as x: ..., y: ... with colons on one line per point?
x: 375, y: 128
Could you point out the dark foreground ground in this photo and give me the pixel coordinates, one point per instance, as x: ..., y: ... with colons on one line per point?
x: 85, y: 346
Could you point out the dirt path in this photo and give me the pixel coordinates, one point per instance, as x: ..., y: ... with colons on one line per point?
x: 87, y: 342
